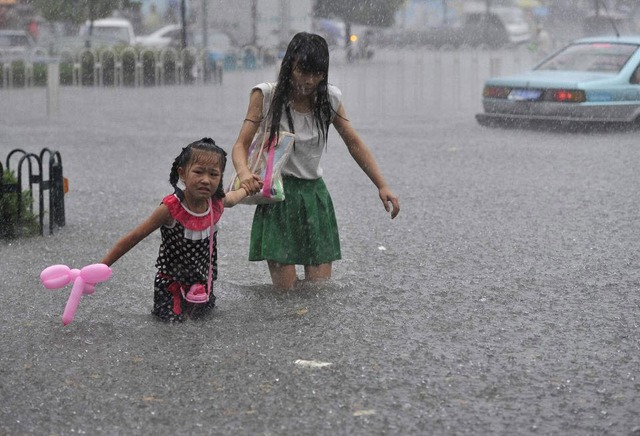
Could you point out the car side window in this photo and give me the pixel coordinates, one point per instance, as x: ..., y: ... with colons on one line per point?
x: 635, y: 77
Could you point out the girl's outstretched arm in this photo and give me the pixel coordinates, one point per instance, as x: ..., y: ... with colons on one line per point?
x: 159, y: 217
x: 363, y: 157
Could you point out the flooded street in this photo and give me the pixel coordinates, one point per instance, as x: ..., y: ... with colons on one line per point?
x: 503, y: 299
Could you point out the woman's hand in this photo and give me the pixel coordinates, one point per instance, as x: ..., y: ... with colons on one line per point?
x: 252, y: 184
x: 389, y: 197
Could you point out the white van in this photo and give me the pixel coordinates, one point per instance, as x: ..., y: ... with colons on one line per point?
x: 503, y: 23
x: 117, y: 30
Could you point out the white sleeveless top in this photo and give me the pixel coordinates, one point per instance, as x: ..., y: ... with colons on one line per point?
x: 304, y: 162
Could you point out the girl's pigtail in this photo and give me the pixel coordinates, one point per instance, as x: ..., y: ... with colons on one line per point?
x: 220, y: 191
x: 174, y: 177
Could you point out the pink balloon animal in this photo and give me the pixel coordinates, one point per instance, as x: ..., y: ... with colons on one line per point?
x: 84, y: 283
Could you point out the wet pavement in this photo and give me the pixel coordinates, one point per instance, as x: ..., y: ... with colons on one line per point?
x: 503, y: 300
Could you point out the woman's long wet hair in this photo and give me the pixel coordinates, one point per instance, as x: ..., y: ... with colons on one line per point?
x: 312, y: 53
x: 189, y: 155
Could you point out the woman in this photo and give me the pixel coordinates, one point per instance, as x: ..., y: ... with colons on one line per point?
x: 301, y: 230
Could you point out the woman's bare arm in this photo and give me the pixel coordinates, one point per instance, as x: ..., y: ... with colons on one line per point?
x: 364, y: 158
x: 248, y: 130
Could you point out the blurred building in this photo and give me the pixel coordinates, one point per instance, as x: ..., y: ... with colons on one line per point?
x: 247, y: 22
x: 571, y: 19
x: 265, y: 23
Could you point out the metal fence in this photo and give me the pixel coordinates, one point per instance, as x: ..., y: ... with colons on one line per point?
x: 43, y: 176
x: 127, y: 66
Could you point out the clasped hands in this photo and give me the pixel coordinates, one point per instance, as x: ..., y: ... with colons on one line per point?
x: 252, y: 184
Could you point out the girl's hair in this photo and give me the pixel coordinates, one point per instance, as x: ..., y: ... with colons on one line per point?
x: 187, y: 155
x: 312, y: 53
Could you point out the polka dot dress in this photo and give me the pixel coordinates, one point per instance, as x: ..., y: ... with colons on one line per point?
x: 183, y: 260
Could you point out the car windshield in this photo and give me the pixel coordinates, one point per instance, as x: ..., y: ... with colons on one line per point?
x: 597, y: 57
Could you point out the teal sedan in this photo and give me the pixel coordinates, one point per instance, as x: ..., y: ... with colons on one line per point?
x: 590, y: 80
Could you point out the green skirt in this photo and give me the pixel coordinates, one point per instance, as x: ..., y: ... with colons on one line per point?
x: 301, y: 230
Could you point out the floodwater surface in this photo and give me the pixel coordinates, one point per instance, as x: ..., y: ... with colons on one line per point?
x: 502, y: 300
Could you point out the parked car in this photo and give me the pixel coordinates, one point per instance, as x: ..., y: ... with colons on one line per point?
x: 449, y: 23
x: 15, y: 44
x: 219, y: 45
x: 590, y: 80
x: 503, y: 23
x: 116, y: 30
x: 164, y: 37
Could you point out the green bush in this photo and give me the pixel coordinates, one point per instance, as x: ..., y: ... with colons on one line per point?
x: 169, y: 69
x: 148, y: 69
x: 66, y: 73
x: 19, y: 74
x: 16, y: 70
x: 128, y: 69
x: 189, y: 61
x: 39, y: 74
x: 87, y: 68
x: 108, y: 69
x: 17, y: 217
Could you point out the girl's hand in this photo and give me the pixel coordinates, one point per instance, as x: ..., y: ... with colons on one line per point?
x: 389, y: 197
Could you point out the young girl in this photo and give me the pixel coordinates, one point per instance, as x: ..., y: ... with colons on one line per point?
x: 185, y: 219
x: 301, y: 230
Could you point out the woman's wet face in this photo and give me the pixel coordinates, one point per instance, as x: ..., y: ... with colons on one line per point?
x: 304, y: 81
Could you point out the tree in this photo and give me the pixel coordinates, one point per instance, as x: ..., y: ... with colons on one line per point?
x: 78, y: 11
x: 367, y: 12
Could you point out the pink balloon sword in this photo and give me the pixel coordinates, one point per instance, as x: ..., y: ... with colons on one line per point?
x: 84, y: 283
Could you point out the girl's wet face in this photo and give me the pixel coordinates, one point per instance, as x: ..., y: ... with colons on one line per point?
x: 305, y: 82
x: 202, y: 175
